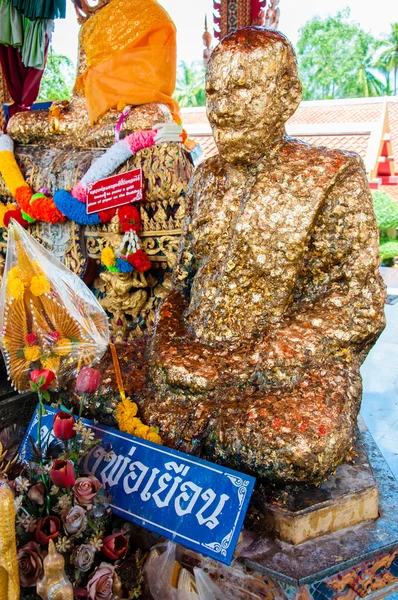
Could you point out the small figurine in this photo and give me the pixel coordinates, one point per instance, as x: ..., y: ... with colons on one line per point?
x: 9, y: 579
x: 55, y: 584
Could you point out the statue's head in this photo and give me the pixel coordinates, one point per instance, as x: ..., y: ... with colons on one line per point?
x: 252, y: 89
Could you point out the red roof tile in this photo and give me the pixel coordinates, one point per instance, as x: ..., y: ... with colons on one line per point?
x: 208, y: 145
x: 337, y: 113
x: 331, y: 111
x: 351, y: 143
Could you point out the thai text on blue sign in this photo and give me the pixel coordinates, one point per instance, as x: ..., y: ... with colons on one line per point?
x: 191, y: 501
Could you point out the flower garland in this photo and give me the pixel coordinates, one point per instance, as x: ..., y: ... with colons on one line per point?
x: 27, y: 201
x: 71, y: 205
x: 127, y: 258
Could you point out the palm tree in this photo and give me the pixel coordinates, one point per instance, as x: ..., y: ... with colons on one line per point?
x: 389, y: 57
x: 366, y: 82
x: 190, y: 87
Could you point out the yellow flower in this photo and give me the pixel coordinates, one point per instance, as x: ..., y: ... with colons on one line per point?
x: 39, y: 285
x: 32, y: 353
x: 154, y: 437
x: 14, y: 273
x: 142, y: 431
x: 108, y: 257
x: 63, y: 347
x: 125, y: 416
x: 16, y: 288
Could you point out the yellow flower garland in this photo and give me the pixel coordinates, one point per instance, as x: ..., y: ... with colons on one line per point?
x: 39, y: 285
x: 126, y: 418
x: 14, y: 273
x: 16, y: 288
x: 11, y: 172
x: 108, y: 257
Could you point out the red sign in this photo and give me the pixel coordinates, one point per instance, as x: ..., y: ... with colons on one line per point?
x: 114, y: 191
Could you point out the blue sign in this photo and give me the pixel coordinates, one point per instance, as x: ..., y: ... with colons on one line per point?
x: 196, y: 503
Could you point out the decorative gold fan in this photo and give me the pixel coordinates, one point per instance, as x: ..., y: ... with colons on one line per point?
x: 15, y: 332
x: 50, y: 319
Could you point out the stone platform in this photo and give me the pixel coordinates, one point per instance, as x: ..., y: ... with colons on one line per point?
x: 356, y: 562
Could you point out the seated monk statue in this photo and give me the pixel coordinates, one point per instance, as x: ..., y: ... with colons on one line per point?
x: 127, y: 56
x: 277, y: 296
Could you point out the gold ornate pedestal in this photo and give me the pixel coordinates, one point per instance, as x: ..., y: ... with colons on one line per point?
x: 130, y: 299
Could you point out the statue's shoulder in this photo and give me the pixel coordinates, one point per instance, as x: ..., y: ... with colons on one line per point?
x: 316, y: 158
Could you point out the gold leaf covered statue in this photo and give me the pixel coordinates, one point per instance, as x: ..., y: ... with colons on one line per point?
x: 49, y: 319
x: 54, y: 585
x: 277, y: 296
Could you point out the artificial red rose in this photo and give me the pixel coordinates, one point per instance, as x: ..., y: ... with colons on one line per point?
x: 63, y: 425
x: 115, y: 546
x: 106, y: 215
x: 37, y: 493
x: 49, y: 377
x: 62, y: 474
x: 31, y: 339
x: 100, y: 586
x: 85, y: 490
x: 16, y: 215
x: 30, y: 564
x: 140, y: 261
x: 87, y: 381
x: 54, y: 336
x: 130, y: 218
x: 47, y: 529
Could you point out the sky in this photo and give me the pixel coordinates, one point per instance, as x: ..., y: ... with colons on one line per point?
x: 189, y: 15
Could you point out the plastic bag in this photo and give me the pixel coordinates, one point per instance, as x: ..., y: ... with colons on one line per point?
x: 163, y: 575
x: 49, y: 319
x: 207, y: 589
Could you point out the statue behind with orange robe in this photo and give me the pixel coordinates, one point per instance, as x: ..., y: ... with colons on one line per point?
x: 134, y: 63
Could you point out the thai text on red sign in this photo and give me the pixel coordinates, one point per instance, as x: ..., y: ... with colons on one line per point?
x: 114, y: 191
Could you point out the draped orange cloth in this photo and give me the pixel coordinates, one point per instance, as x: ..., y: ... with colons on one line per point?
x: 130, y: 48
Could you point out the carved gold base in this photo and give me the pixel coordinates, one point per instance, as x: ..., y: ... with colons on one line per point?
x: 131, y: 300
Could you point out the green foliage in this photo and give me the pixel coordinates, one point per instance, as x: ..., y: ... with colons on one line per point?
x: 58, y: 78
x: 388, y: 59
x: 336, y: 59
x: 388, y: 249
x: 190, y: 87
x: 386, y: 210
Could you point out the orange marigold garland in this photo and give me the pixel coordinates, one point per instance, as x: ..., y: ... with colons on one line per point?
x: 42, y: 209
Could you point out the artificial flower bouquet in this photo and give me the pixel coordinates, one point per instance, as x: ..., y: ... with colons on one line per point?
x: 49, y: 319
x: 56, y: 501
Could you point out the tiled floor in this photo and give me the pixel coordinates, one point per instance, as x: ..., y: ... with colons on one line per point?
x: 380, y: 386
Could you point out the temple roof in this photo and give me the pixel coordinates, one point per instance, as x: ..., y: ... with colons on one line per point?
x: 368, y: 126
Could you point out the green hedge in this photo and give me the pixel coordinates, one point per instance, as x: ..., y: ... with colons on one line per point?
x: 386, y: 210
